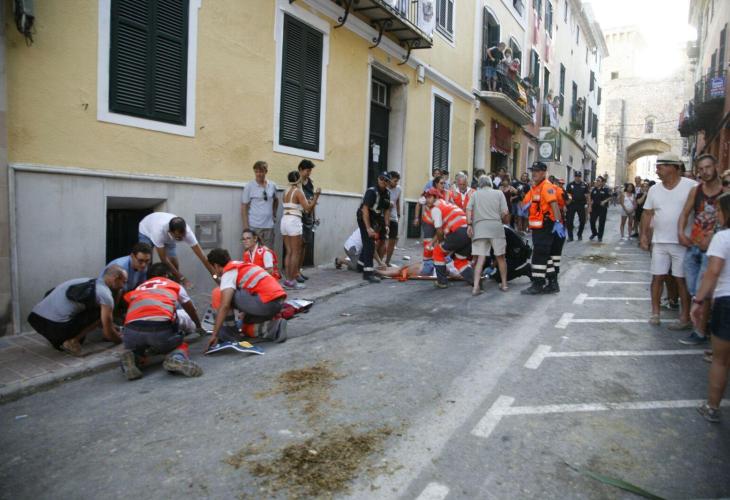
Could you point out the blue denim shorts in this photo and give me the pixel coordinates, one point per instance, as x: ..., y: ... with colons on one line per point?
x: 170, y: 248
x: 695, y: 265
x: 490, y: 72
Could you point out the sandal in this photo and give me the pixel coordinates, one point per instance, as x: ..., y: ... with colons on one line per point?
x: 654, y: 319
x: 479, y: 291
x: 503, y: 288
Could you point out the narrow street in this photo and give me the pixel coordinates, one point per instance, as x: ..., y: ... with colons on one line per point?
x: 498, y: 396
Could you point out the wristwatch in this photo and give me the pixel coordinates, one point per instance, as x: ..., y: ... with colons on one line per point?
x: 699, y: 302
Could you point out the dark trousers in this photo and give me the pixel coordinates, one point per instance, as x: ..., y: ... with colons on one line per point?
x: 163, y: 336
x: 368, y: 249
x: 580, y: 209
x: 598, y: 214
x: 543, y: 240
x: 58, y: 333
x: 458, y: 243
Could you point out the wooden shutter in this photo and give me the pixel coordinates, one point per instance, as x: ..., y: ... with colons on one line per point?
x: 441, y: 118
x: 148, y: 59
x: 301, y: 85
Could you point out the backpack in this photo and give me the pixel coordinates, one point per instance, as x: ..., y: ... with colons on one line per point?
x: 83, y: 293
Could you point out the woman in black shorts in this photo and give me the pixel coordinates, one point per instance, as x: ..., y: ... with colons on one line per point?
x: 716, y: 287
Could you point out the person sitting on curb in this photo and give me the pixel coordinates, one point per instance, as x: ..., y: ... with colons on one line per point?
x: 255, y: 252
x: 76, y: 307
x: 247, y: 288
x: 151, y: 322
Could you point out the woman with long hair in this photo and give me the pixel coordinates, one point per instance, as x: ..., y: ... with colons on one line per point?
x: 255, y: 252
x: 715, y: 287
x: 627, y: 200
x: 295, y: 204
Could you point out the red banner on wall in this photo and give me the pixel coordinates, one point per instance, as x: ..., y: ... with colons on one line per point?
x: 501, y: 138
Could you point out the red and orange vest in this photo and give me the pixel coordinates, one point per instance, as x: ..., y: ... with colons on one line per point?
x: 258, y: 259
x: 256, y: 280
x: 452, y: 216
x: 461, y: 200
x: 153, y: 300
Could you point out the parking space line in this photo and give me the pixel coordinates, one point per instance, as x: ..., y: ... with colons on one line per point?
x: 582, y: 297
x: 602, y: 270
x: 615, y: 254
x: 434, y: 491
x: 593, y: 282
x: 544, y: 351
x: 568, y: 318
x: 502, y: 407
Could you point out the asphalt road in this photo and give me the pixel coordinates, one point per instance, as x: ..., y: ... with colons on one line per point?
x: 498, y: 396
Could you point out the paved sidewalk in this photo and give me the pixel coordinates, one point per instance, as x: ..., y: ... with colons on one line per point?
x: 29, y: 364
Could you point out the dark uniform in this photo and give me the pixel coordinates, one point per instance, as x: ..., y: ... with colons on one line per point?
x: 308, y: 217
x: 599, y: 211
x: 378, y: 202
x: 578, y: 190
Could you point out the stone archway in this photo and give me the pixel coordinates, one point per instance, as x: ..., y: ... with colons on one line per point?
x: 645, y: 147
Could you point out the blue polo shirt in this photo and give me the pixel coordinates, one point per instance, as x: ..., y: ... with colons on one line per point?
x: 134, y: 278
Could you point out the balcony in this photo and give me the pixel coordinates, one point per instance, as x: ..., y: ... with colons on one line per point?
x: 709, y: 99
x: 400, y: 20
x: 514, y: 98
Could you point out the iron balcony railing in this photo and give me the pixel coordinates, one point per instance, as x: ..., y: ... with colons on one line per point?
x: 517, y: 89
x: 711, y: 87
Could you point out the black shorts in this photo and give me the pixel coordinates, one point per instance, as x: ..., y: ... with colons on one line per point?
x: 720, y: 322
x: 393, y: 230
x: 58, y: 333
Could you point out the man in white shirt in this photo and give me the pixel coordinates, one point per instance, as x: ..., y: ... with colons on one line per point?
x: 664, y: 205
x: 163, y: 231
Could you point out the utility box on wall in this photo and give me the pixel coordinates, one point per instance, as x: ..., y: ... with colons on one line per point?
x: 208, y: 230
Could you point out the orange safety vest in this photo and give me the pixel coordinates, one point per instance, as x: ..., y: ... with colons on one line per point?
x: 540, y: 197
x: 153, y: 300
x: 257, y: 257
x: 452, y: 216
x: 256, y: 280
x: 462, y: 200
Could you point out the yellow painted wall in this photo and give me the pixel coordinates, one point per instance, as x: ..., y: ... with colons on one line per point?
x: 52, y: 104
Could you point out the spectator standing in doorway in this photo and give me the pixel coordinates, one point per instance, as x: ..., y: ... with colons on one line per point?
x: 395, y: 192
x: 309, y: 218
x: 663, y: 206
x: 259, y: 204
x: 702, y: 202
x: 598, y: 208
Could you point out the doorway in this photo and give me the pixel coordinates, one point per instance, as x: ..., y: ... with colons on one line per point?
x: 379, y: 129
x: 123, y: 216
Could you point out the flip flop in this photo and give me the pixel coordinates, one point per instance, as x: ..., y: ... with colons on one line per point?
x: 474, y: 293
x: 654, y: 319
x: 503, y: 289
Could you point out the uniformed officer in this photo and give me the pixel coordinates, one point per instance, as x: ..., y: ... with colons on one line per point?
x: 375, y: 208
x: 578, y: 191
x: 548, y: 232
x: 598, y: 209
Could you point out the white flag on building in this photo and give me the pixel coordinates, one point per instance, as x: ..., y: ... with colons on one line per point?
x: 427, y: 16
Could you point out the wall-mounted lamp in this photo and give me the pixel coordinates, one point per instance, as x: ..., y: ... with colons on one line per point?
x: 421, y: 73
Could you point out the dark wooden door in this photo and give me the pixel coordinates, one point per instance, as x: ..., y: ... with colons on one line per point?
x: 122, y: 230
x: 379, y: 120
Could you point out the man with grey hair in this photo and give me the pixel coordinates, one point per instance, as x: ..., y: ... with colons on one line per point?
x: 76, y: 307
x: 462, y: 192
x: 486, y: 213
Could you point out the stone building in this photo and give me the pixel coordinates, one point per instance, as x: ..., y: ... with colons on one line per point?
x: 639, y: 113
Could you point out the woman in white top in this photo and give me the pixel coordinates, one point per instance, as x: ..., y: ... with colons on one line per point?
x: 628, y: 207
x: 295, y: 203
x: 715, y: 286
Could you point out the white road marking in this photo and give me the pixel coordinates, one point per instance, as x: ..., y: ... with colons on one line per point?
x: 544, y: 351
x: 602, y: 270
x: 582, y: 297
x: 434, y: 491
x: 503, y: 408
x: 592, y: 283
x: 614, y: 254
x: 568, y: 318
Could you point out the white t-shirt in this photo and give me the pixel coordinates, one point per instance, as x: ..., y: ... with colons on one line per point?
x: 667, y: 205
x: 355, y: 240
x: 720, y: 247
x: 156, y: 226
x: 437, y: 217
x: 394, y: 201
x: 228, y: 279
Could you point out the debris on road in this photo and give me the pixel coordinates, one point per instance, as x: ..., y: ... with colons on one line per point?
x: 598, y: 259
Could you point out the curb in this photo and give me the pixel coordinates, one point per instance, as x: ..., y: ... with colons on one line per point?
x: 110, y: 359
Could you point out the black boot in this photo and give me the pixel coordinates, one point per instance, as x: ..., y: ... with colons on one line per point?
x: 370, y: 277
x: 552, y: 286
x: 468, y: 275
x: 537, y: 287
x: 442, y: 277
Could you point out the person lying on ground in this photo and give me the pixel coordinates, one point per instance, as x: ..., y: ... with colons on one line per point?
x: 76, y: 307
x: 151, y: 323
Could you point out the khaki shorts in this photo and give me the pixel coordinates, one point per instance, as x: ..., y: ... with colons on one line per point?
x: 483, y: 245
x: 666, y: 257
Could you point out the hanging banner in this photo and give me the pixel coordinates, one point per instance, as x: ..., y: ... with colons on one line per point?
x: 427, y: 16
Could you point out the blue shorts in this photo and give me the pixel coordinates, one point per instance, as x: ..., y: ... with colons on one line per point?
x: 170, y: 248
x: 695, y: 265
x: 490, y: 72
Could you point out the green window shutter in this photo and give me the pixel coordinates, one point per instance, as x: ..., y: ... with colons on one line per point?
x: 148, y: 59
x: 301, y: 85
x: 441, y: 117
